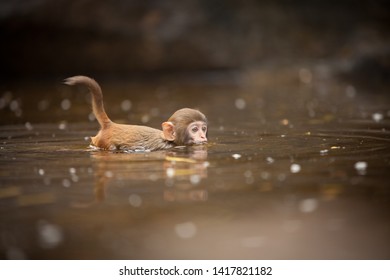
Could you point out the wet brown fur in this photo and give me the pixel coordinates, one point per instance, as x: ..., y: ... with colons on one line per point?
x: 120, y: 136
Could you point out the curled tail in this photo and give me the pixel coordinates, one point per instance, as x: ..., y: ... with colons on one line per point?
x: 97, y: 97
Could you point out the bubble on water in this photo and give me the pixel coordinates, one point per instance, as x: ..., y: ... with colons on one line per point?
x: 186, y: 230
x: 135, y: 200
x: 377, y: 117
x: 295, y: 168
x: 126, y: 105
x: 66, y: 183
x: 361, y: 167
x: 41, y: 171
x: 236, y: 156
x: 170, y: 172
x: 350, y: 91
x: 72, y: 170
x: 240, y: 103
x: 305, y: 75
x: 270, y: 160
x: 308, y: 205
x: 253, y: 241
x: 66, y: 104
x: 50, y: 235
x: 195, y: 179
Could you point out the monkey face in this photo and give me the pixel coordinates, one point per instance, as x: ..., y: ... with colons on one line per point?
x: 196, y: 133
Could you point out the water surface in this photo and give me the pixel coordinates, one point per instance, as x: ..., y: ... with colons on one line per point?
x: 293, y: 170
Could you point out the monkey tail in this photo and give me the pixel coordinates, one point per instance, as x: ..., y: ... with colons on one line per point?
x: 97, y: 97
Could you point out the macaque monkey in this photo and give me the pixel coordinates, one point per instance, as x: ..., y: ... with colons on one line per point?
x: 184, y: 127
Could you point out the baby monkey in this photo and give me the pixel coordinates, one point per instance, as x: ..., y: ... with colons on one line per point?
x: 184, y: 127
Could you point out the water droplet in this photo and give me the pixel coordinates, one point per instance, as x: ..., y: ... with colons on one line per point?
x: 135, y: 200
x: 50, y: 235
x: 361, y: 167
x: 308, y: 205
x: 377, y: 117
x: 41, y: 172
x: 350, y: 91
x: 145, y: 119
x: 126, y: 105
x: 186, y: 230
x: 66, y: 104
x: 66, y: 183
x: 240, y: 103
x: 62, y: 125
x: 305, y: 75
x: 170, y: 172
x: 270, y: 160
x: 195, y: 179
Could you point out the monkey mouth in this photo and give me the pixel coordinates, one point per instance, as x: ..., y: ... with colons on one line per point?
x: 199, y: 142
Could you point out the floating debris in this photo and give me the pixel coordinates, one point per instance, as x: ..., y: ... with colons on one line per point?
x: 236, y: 156
x: 270, y: 160
x: 324, y: 152
x: 361, y: 167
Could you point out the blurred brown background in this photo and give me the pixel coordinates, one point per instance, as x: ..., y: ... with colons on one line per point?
x: 46, y: 39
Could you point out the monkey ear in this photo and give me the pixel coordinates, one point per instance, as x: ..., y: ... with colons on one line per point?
x: 169, y: 131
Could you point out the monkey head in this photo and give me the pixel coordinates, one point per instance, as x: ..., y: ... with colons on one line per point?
x: 186, y: 127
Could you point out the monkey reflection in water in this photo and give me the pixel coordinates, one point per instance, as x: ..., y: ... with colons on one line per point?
x: 185, y: 127
x: 180, y: 176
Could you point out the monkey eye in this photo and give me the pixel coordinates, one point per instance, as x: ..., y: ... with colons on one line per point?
x: 194, y: 129
x: 204, y: 128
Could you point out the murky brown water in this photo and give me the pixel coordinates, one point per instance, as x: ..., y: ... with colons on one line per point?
x: 294, y: 170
